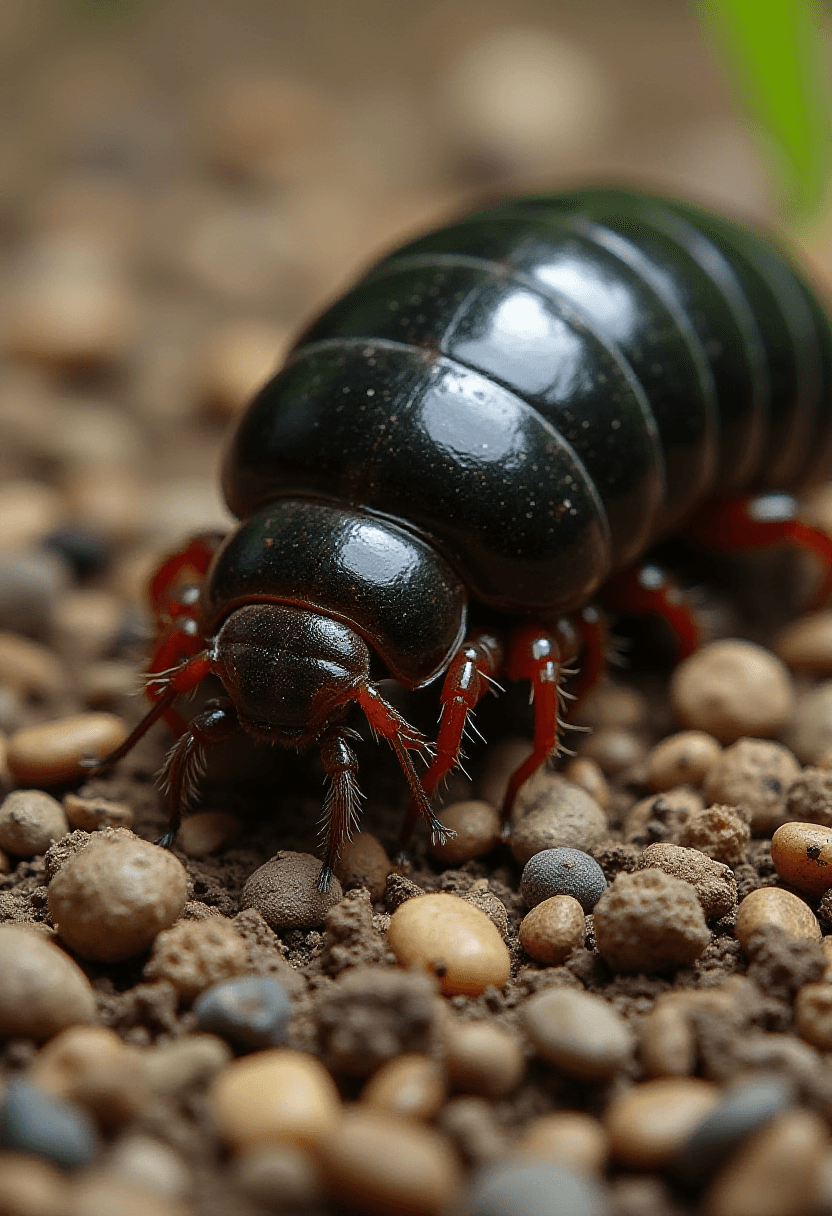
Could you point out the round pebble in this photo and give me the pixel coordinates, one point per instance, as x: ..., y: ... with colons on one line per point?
x: 813, y: 1014
x: 553, y: 929
x: 720, y: 832
x: 30, y: 1186
x: 30, y: 821
x: 649, y: 921
x: 29, y: 668
x: 42, y: 990
x: 534, y: 1188
x: 51, y: 753
x: 171, y: 1067
x: 732, y: 688
x: 562, y: 872
x: 552, y: 813
x: 31, y: 584
x: 410, y: 1085
x: 101, y: 1192
x: 285, y: 892
x: 775, y: 1173
x: 207, y: 832
x: 477, y: 828
x: 755, y: 776
x: 809, y: 732
x: 589, y: 775
x: 662, y: 816
x: 280, y: 1177
x: 809, y: 798
x: 86, y: 623
x: 649, y: 1123
x: 111, y: 899
x: 274, y: 1096
x: 91, y: 814
x: 683, y: 758
x: 363, y: 863
x: 375, y: 1164
x: 569, y: 1137
x: 74, y: 1058
x: 483, y: 1059
x: 801, y: 853
x: 614, y: 749
x: 451, y: 938
x: 149, y: 1163
x: 771, y: 907
x: 194, y: 954
x: 32, y: 1122
x: 714, y: 883
x: 806, y: 644
x: 252, y: 1011
x: 580, y: 1034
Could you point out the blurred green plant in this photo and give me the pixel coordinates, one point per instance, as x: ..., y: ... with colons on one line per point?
x: 778, y: 58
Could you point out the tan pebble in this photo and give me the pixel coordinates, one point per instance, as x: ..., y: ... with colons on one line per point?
x: 589, y: 775
x: 502, y: 761
x: 802, y: 853
x: 100, y: 1192
x: 285, y: 892
x: 192, y: 1060
x: 43, y: 990
x: 553, y: 929
x: 451, y: 938
x: 28, y: 668
x: 665, y: 814
x: 720, y: 832
x: 649, y: 921
x: 568, y: 1137
x: 472, y: 1126
x: 65, y: 1064
x: 279, y: 1176
x: 30, y: 1186
x: 483, y: 1059
x: 813, y: 1014
x: 194, y: 954
x: 614, y: 749
x: 477, y: 828
x: 110, y: 900
x: 85, y: 623
x: 552, y: 813
x: 754, y: 775
x: 650, y: 1122
x: 775, y: 1172
x: 29, y: 511
x: 207, y: 832
x: 52, y: 752
x: 580, y: 1034
x: 683, y: 758
x: 108, y: 684
x: 809, y: 732
x: 615, y: 705
x: 714, y: 883
x: 668, y: 1046
x: 92, y: 814
x: 239, y: 357
x: 376, y: 1164
x: 732, y: 688
x: 809, y: 797
x: 363, y: 863
x: 274, y: 1096
x: 30, y: 821
x: 806, y: 644
x: 769, y: 906
x: 114, y: 502
x: 411, y: 1085
x: 148, y: 1162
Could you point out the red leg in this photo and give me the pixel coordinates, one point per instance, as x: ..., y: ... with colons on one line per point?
x: 649, y: 590
x: 735, y: 525
x: 593, y: 632
x: 171, y: 591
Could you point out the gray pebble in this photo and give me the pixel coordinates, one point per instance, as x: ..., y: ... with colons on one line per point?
x: 30, y: 584
x: 534, y: 1189
x: 31, y: 1122
x: 252, y: 1011
x: 285, y: 892
x: 745, y: 1108
x: 580, y: 1034
x: 562, y: 872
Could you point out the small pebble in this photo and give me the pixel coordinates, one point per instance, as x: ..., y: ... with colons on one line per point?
x: 755, y: 776
x: 86, y: 623
x: 29, y: 511
x: 193, y: 955
x: 662, y: 816
x: 580, y: 1034
x: 552, y: 813
x: 363, y: 863
x: 207, y: 832
x: 801, y: 853
x: 806, y: 644
x: 410, y: 1085
x: 169, y: 1068
x: 30, y: 1186
x: 562, y: 872
x: 92, y: 814
x: 714, y: 883
x: 568, y: 1137
x: 813, y: 1013
x: 553, y: 929
x: 280, y: 1177
x: 809, y: 797
x: 477, y: 828
x: 376, y: 1164
x: 285, y: 892
x: 51, y: 753
x: 720, y: 832
x: 649, y: 921
x: 649, y: 1123
x: 683, y: 758
x: 252, y: 1011
x: 111, y: 899
x: 483, y: 1059
x: 613, y: 705
x: 274, y: 1096
x: 101, y: 1192
x: 534, y: 1188
x: 775, y: 1173
x: 614, y: 749
x: 770, y: 906
x: 809, y: 732
x: 72, y: 1064
x: 31, y: 584
x: 30, y: 821
x: 147, y: 1162
x: 42, y: 990
x: 86, y: 550
x: 589, y: 775
x: 32, y: 1122
x: 452, y: 939
x: 472, y: 1126
x: 732, y: 688
x: 29, y: 668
